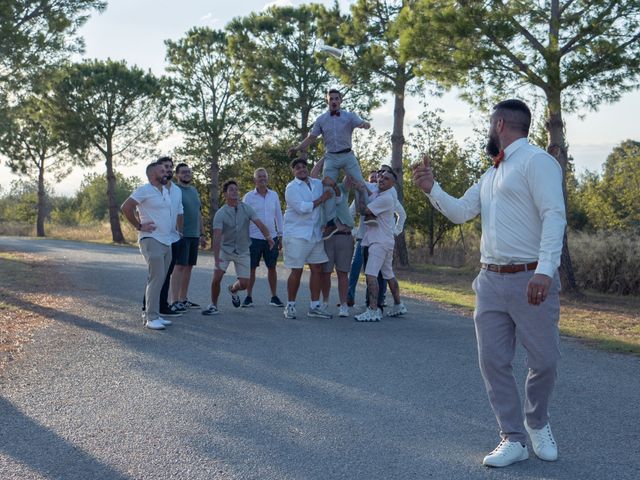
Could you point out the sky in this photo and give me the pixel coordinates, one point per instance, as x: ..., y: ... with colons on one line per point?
x: 135, y: 30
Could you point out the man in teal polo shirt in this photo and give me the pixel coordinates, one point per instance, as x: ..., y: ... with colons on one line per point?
x: 193, y: 236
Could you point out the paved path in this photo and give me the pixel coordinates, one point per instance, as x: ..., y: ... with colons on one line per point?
x: 250, y: 395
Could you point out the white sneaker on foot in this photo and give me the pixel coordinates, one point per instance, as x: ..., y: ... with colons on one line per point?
x: 506, y: 453
x: 344, y: 311
x: 369, y: 315
x: 165, y: 321
x: 397, y: 310
x: 544, y: 445
x: 155, y: 324
x: 290, y: 311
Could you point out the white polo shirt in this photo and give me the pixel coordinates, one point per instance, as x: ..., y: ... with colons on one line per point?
x: 382, y: 206
x: 176, y: 209
x: 154, y: 205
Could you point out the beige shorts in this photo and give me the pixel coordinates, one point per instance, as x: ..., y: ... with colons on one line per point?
x: 339, y: 249
x: 380, y: 260
x: 241, y: 264
x: 298, y: 251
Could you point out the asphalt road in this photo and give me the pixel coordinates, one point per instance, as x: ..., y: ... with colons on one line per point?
x: 251, y: 395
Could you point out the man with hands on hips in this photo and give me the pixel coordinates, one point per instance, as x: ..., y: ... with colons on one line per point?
x: 521, y: 204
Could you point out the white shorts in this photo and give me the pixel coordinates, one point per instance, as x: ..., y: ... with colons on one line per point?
x: 298, y: 251
x: 241, y: 263
x: 380, y: 259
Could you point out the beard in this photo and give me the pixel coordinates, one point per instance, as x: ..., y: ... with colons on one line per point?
x: 493, y: 145
x: 169, y: 175
x: 163, y: 180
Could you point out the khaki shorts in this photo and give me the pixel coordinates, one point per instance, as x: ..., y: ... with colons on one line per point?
x: 380, y: 260
x: 339, y: 249
x: 241, y: 263
x: 298, y: 251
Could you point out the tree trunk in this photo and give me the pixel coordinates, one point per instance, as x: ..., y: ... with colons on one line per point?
x: 114, y: 211
x: 214, y: 188
x: 41, y: 200
x: 558, y: 148
x: 397, y: 144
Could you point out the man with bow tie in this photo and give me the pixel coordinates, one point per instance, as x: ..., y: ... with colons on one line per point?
x: 336, y: 127
x: 521, y: 205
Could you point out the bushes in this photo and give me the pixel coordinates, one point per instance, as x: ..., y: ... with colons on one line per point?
x: 607, y: 261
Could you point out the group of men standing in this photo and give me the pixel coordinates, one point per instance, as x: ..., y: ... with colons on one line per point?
x: 521, y: 204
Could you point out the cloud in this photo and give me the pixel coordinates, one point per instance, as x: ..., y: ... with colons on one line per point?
x: 209, y: 19
x: 278, y: 3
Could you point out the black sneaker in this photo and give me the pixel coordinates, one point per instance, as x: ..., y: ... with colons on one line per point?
x: 275, y: 301
x: 189, y: 304
x: 170, y: 312
x: 178, y: 307
x: 248, y: 302
x: 235, y: 298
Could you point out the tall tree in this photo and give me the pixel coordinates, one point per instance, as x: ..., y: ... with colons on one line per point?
x: 282, y: 73
x: 206, y: 106
x: 575, y: 54
x: 37, y: 33
x: 32, y: 148
x: 455, y: 168
x: 371, y: 33
x: 621, y: 183
x: 108, y: 110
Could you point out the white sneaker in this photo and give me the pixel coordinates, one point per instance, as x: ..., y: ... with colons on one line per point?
x: 290, y: 311
x: 506, y: 453
x: 544, y: 445
x: 155, y: 324
x: 318, y: 313
x: 165, y: 322
x: 369, y: 315
x: 344, y: 311
x: 397, y: 310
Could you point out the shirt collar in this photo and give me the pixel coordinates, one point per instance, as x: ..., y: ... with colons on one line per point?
x: 515, y: 146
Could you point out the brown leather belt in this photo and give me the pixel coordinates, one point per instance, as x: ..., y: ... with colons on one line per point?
x: 340, y: 232
x: 521, y: 267
x: 346, y: 150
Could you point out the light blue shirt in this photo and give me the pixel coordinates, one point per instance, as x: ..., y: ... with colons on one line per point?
x: 336, y: 130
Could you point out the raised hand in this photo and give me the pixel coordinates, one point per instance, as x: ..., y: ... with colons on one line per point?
x: 423, y: 175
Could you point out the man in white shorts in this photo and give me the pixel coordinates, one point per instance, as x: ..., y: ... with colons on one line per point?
x: 231, y: 244
x: 380, y: 242
x: 302, y: 236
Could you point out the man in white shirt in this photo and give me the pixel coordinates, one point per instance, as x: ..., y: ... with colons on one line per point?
x: 302, y: 236
x: 148, y: 209
x: 358, y: 255
x: 521, y: 205
x: 267, y: 206
x: 380, y: 241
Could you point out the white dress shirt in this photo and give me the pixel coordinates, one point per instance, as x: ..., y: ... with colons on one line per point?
x: 301, y: 220
x: 521, y: 205
x: 269, y: 212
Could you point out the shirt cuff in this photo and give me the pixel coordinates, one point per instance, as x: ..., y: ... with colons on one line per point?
x: 546, y: 268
